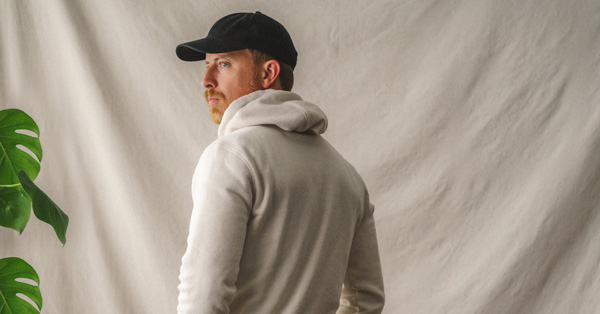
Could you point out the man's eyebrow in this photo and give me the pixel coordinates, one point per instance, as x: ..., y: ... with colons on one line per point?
x: 217, y: 59
x: 214, y: 59
x: 228, y: 56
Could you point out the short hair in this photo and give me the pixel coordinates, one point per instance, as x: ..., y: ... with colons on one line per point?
x: 286, y: 73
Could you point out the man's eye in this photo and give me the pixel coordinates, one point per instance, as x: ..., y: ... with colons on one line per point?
x: 224, y: 64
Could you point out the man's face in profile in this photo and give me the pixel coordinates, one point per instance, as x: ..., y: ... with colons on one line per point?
x: 229, y: 76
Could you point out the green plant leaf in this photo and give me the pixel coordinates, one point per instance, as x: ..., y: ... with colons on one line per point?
x: 45, y: 209
x: 15, y: 208
x: 11, y: 269
x: 14, y: 159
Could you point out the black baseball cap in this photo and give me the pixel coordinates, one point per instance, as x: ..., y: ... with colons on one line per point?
x: 240, y: 31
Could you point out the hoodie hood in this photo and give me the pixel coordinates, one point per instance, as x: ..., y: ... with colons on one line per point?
x: 283, y: 109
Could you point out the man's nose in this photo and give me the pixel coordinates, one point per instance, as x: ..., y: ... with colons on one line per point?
x: 209, y: 79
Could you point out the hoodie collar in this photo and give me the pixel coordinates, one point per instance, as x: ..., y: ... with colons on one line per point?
x: 283, y: 109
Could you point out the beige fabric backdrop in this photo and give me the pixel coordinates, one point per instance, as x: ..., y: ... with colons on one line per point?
x: 475, y: 124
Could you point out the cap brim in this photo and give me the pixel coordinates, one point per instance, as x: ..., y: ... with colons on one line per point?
x: 196, y: 50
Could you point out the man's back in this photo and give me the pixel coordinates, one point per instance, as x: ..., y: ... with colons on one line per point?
x: 279, y: 218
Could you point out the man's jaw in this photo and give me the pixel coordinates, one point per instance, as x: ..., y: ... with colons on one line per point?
x: 215, y: 100
x: 215, y: 115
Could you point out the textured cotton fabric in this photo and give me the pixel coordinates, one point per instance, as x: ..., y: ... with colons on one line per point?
x: 280, y: 219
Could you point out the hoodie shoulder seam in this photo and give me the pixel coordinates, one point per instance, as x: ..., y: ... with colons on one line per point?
x: 240, y: 156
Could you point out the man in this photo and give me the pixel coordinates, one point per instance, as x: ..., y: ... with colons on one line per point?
x: 281, y: 222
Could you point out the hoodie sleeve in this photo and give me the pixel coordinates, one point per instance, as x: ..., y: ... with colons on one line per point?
x: 222, y: 195
x: 362, y: 291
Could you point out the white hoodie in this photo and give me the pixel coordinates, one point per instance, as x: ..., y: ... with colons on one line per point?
x: 280, y: 219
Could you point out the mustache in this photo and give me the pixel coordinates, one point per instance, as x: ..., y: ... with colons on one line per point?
x: 212, y: 93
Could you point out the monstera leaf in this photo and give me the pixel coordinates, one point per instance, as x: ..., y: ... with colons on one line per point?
x: 14, y: 159
x: 19, y: 143
x: 11, y: 270
x: 45, y: 209
x: 15, y: 208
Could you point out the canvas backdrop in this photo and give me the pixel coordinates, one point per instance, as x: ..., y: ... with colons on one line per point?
x: 474, y: 123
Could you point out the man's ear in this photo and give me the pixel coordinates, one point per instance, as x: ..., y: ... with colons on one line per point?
x: 270, y: 77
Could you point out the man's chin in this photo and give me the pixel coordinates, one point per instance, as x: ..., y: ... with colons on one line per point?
x: 215, y: 115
